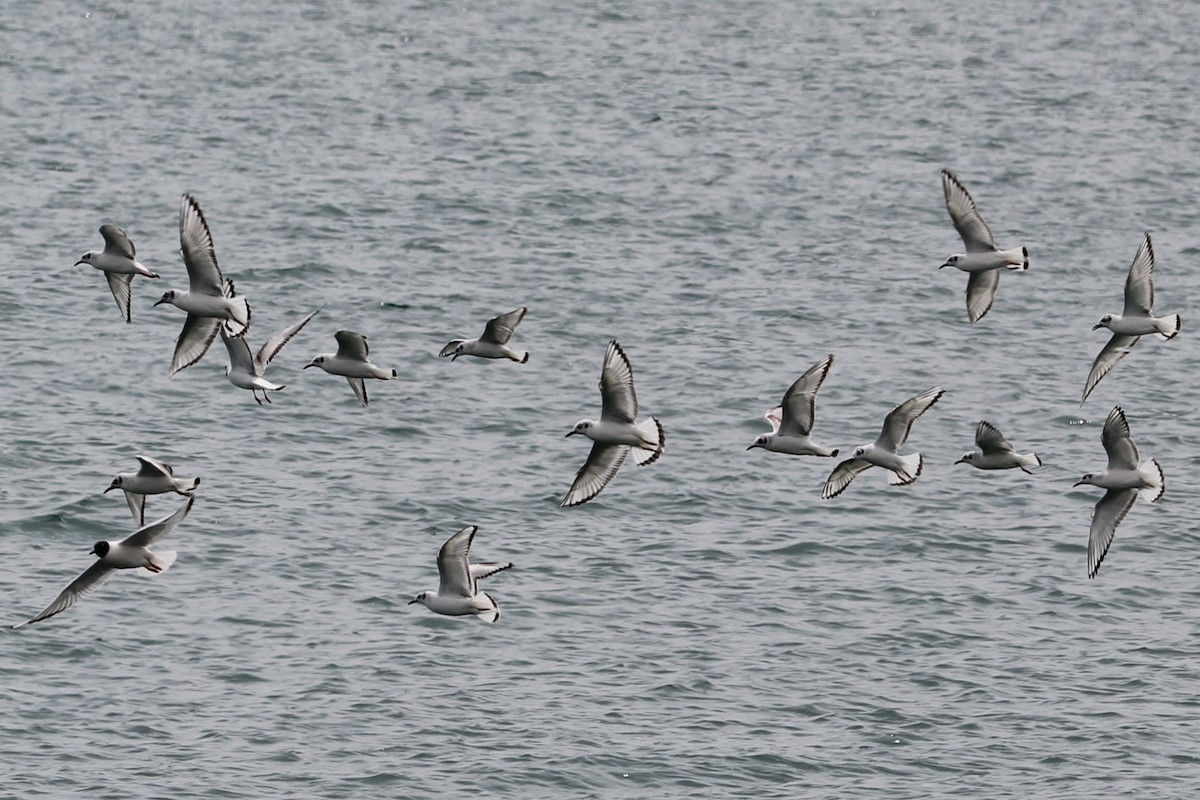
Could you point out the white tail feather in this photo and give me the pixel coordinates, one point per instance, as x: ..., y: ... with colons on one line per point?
x: 651, y: 431
x: 490, y: 614
x: 1168, y: 327
x: 163, y: 559
x: 1152, y: 473
x: 912, y: 466
x: 1017, y: 258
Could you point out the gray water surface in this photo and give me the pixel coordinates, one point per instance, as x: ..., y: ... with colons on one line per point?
x: 731, y: 190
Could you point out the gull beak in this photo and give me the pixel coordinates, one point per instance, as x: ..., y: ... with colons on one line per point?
x: 751, y: 447
x: 1077, y: 483
x: 77, y: 263
x: 455, y: 356
x: 1097, y: 326
x: 961, y: 461
x: 410, y: 602
x: 109, y: 489
x: 93, y: 552
x: 310, y: 364
x: 945, y: 265
x: 569, y: 435
x: 160, y: 301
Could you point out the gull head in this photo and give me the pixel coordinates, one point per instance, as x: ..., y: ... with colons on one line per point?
x: 761, y: 441
x: 99, y: 549
x: 86, y: 258
x: 952, y: 261
x: 168, y: 297
x: 458, y: 351
x: 966, y: 459
x: 1089, y: 480
x: 419, y: 598
x: 116, y: 484
x: 859, y: 451
x: 1104, y: 322
x: 316, y: 362
x: 582, y: 427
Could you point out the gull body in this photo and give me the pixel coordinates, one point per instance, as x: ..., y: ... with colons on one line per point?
x: 245, y: 372
x: 1136, y: 319
x: 458, y: 593
x: 995, y: 452
x: 351, y: 362
x: 211, y: 303
x: 792, y: 420
x: 132, y: 552
x: 983, y: 260
x: 154, y: 477
x: 617, y: 433
x: 884, y: 451
x: 1125, y: 480
x: 118, y: 261
x: 494, y: 341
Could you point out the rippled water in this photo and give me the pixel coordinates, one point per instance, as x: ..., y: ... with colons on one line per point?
x: 733, y: 191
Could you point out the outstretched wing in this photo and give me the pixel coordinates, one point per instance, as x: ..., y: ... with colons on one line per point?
x: 149, y: 534
x: 842, y: 475
x: 1139, y: 284
x: 453, y: 568
x: 990, y: 440
x: 899, y: 422
x: 967, y: 221
x: 273, y: 345
x: 1117, y: 441
x: 1117, y: 348
x: 195, y: 242
x: 117, y: 242
x: 800, y: 401
x: 88, y: 581
x: 601, y: 467
x: 618, y: 400
x: 500, y: 329
x: 352, y: 345
x: 981, y: 293
x: 121, y: 286
x: 1109, y: 512
x: 194, y: 340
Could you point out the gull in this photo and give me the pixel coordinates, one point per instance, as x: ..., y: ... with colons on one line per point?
x: 1136, y: 321
x: 996, y: 453
x: 210, y: 302
x: 792, y: 420
x: 245, y: 372
x: 1124, y: 481
x: 118, y: 261
x: 154, y: 477
x: 883, y: 452
x: 616, y: 432
x: 494, y: 341
x: 350, y: 361
x: 458, y: 594
x: 983, y: 261
x: 132, y: 552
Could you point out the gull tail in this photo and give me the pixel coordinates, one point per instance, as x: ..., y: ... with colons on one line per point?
x: 651, y: 431
x: 187, y: 490
x: 490, y: 614
x: 1168, y: 327
x: 1030, y: 460
x: 520, y: 356
x: 1152, y: 473
x: 239, y: 319
x: 1017, y: 258
x: 910, y: 470
x: 162, y: 560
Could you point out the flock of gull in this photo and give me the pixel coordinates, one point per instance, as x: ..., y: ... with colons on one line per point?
x: 213, y: 307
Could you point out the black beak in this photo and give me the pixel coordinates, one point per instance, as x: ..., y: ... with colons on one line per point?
x: 751, y: 447
x: 945, y: 265
x: 161, y: 300
x: 313, y: 364
x: 77, y: 263
x: 410, y: 602
x: 1098, y: 326
x: 1077, y: 483
x: 961, y: 461
x: 569, y: 435
x: 109, y: 489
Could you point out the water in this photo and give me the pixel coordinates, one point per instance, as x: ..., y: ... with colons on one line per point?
x: 733, y: 191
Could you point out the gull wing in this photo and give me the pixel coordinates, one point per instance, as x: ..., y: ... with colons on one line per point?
x: 618, y: 400
x: 775, y: 418
x: 117, y: 242
x: 453, y: 568
x: 194, y: 340
x: 153, y: 468
x: 137, y: 505
x: 1139, y: 285
x: 500, y: 329
x: 899, y: 422
x: 1109, y: 512
x: 487, y: 569
x: 273, y: 345
x: 352, y: 345
x: 975, y: 233
x: 601, y: 467
x: 800, y: 401
x: 121, y: 286
x: 240, y: 359
x: 989, y: 440
x: 88, y: 581
x: 981, y: 293
x: 196, y: 245
x: 360, y: 389
x: 842, y: 475
x: 1122, y: 452
x: 1117, y: 348
x: 149, y: 534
